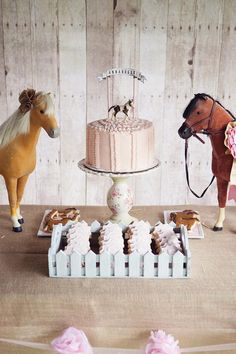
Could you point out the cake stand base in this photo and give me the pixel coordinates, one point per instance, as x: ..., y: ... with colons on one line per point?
x: 120, y: 201
x: 120, y: 196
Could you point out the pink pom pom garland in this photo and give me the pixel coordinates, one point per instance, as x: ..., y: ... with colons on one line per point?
x: 161, y: 343
x: 230, y: 138
x: 72, y: 341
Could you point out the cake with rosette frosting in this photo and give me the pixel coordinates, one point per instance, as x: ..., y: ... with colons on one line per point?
x: 120, y: 144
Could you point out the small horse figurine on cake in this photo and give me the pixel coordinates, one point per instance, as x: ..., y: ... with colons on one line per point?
x: 18, y: 139
x: 206, y: 115
x: 126, y: 108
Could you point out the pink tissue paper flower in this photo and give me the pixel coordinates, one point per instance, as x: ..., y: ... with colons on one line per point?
x: 231, y: 140
x: 161, y: 343
x: 72, y: 341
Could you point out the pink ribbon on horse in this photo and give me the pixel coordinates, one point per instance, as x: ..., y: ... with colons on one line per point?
x: 230, y: 143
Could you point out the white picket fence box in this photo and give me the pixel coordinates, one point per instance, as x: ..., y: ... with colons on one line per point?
x: 119, y: 265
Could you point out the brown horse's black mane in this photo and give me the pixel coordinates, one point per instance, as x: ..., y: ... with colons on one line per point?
x: 201, y: 96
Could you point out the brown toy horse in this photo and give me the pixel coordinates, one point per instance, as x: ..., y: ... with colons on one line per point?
x: 206, y: 115
x: 18, y: 139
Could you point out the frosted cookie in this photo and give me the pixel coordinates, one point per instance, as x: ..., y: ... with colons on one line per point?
x: 78, y: 238
x: 63, y: 216
x: 189, y: 218
x: 166, y: 239
x: 110, y: 238
x: 157, y: 242
x: 139, y: 238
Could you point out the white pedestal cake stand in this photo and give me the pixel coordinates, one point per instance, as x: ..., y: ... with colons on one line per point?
x: 119, y: 196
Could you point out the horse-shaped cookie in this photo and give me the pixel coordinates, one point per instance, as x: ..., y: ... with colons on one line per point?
x: 18, y: 139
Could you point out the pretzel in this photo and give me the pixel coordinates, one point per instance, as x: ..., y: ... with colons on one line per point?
x: 189, y: 218
x: 56, y: 217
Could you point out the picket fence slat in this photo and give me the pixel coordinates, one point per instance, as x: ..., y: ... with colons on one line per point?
x: 56, y: 238
x: 163, y: 265
x: 148, y: 265
x: 51, y: 263
x: 119, y: 264
x: 61, y: 264
x: 188, y: 263
x: 178, y: 261
x: 76, y: 264
x: 90, y: 264
x: 134, y: 265
x: 105, y: 264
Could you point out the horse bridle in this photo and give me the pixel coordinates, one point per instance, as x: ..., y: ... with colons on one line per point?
x: 205, y: 131
x: 193, y: 132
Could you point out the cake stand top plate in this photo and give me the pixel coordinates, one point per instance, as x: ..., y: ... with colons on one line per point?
x: 82, y: 165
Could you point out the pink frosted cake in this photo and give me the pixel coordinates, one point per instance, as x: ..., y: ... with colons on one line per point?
x: 120, y: 145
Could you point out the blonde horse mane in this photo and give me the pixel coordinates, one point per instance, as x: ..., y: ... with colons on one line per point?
x: 19, y: 123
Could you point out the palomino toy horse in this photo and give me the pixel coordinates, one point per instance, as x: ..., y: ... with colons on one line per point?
x: 206, y: 115
x: 18, y: 138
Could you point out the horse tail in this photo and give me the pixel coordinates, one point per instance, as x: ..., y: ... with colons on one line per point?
x: 111, y: 108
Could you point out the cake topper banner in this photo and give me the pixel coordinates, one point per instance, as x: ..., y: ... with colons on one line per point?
x: 74, y: 341
x: 125, y: 71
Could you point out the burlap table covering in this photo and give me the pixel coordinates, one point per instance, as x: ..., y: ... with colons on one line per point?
x: 117, y: 312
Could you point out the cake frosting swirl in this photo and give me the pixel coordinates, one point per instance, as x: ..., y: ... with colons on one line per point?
x: 126, y: 124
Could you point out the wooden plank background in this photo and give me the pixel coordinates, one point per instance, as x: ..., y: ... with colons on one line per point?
x: 181, y: 46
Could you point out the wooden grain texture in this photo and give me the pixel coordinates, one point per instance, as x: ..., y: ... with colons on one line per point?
x: 44, y: 17
x: 182, y: 47
x: 99, y: 59
x: 72, y: 85
x: 177, y: 88
x: 3, y: 102
x: 227, y: 74
x: 3, y: 97
x: 153, y: 39
x: 207, y: 40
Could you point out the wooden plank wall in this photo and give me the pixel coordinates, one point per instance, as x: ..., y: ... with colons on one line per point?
x: 182, y: 46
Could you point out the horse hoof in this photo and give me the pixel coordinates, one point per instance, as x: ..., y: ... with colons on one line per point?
x: 17, y: 229
x: 216, y: 228
x: 21, y: 221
